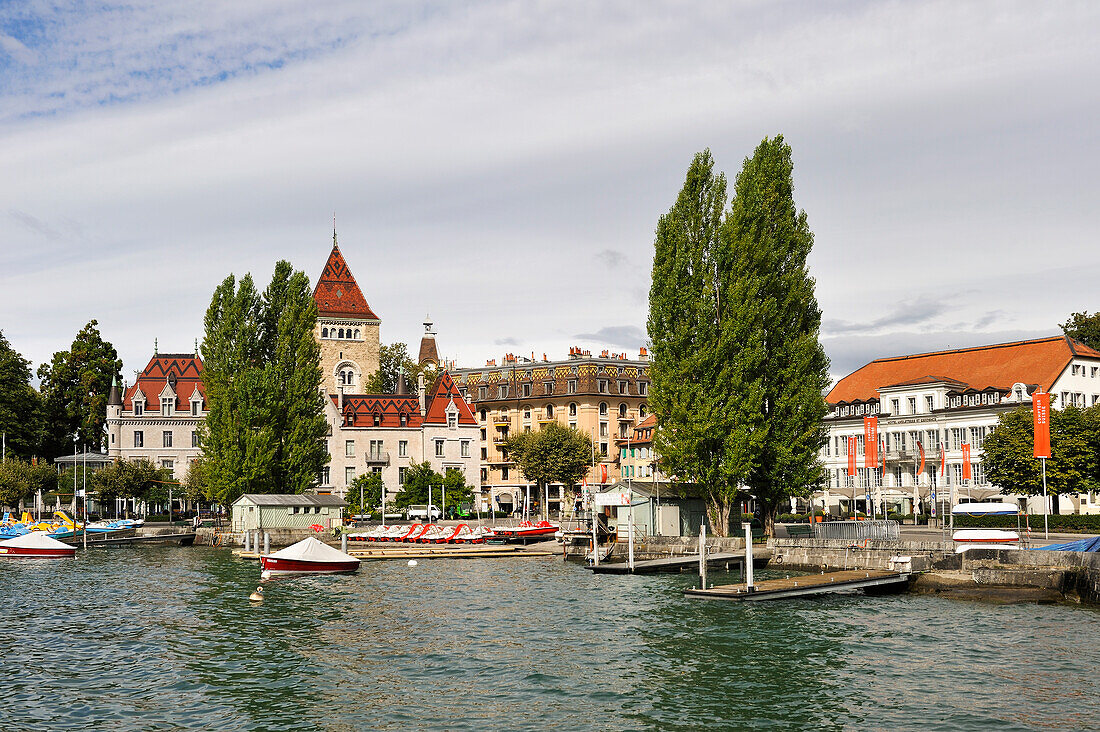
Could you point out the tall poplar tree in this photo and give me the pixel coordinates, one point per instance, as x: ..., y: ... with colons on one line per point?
x: 688, y: 395
x: 738, y: 373
x: 19, y: 403
x: 261, y: 368
x: 777, y: 368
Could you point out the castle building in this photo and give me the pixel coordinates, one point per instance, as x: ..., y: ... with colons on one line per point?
x: 605, y: 396
x: 158, y: 416
x: 382, y: 433
x: 950, y: 399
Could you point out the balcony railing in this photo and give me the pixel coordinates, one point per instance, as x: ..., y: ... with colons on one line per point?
x: 378, y: 458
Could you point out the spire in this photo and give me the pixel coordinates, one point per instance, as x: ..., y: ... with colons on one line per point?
x: 337, y: 294
x: 196, y: 348
x: 155, y: 351
x: 402, y: 389
x: 114, y: 399
x: 429, y: 354
x: 334, y: 246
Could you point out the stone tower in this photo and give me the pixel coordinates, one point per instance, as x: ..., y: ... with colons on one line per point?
x: 347, y: 328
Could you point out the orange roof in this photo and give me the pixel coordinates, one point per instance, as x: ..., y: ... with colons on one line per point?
x: 337, y: 294
x: 442, y: 393
x: 1038, y: 361
x: 187, y: 368
x: 359, y: 409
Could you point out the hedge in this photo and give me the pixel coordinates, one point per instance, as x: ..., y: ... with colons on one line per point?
x: 1071, y: 523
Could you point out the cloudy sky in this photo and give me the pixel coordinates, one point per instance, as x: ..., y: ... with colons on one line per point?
x: 502, y: 165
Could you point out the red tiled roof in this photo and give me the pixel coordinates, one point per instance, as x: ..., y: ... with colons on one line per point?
x: 361, y: 408
x: 151, y: 382
x: 1039, y: 361
x: 337, y: 294
x: 440, y: 396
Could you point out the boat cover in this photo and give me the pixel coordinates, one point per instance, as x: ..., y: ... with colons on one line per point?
x: 311, y: 550
x: 1091, y: 544
x: 985, y: 509
x: 35, y: 540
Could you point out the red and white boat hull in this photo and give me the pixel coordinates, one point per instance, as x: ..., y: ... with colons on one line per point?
x: 274, y: 566
x: 16, y: 552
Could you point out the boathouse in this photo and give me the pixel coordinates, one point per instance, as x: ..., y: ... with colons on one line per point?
x: 267, y: 512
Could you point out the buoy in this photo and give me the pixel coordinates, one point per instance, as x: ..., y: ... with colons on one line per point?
x: 412, y: 562
x: 258, y: 595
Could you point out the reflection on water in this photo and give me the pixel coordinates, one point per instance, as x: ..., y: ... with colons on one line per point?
x: 165, y: 637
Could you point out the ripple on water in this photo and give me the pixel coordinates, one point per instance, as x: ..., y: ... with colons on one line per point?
x: 166, y: 638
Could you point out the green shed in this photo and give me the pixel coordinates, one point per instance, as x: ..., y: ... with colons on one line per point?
x: 254, y: 511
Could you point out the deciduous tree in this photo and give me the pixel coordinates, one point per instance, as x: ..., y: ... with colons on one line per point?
x: 364, y: 493
x: 74, y: 392
x: 1084, y: 327
x: 19, y: 480
x: 20, y: 408
x: 420, y: 476
x: 553, y: 454
x: 391, y: 360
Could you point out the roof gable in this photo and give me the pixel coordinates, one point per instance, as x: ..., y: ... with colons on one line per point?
x: 1001, y: 365
x: 444, y: 392
x: 337, y: 294
x: 186, y: 369
x: 359, y: 410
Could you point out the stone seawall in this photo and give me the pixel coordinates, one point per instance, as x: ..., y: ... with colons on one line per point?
x: 235, y: 540
x: 830, y: 554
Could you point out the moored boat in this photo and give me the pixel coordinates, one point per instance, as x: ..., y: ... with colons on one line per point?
x: 984, y: 539
x: 35, y: 544
x: 308, y: 556
x: 986, y: 509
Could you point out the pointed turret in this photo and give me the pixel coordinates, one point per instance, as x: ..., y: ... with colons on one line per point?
x: 337, y: 293
x: 402, y: 389
x: 114, y: 397
x: 428, y: 352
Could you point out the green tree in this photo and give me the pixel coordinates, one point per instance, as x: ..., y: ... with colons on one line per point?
x: 553, y: 454
x: 364, y: 493
x: 141, y: 479
x: 1084, y: 327
x: 776, y: 371
x: 74, y: 392
x: 1074, y: 462
x: 391, y: 360
x: 20, y: 409
x: 688, y: 394
x: 19, y: 480
x: 420, y: 476
x: 265, y: 429
x: 738, y: 371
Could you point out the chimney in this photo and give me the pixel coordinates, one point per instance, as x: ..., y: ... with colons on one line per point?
x: 340, y: 399
x: 422, y: 391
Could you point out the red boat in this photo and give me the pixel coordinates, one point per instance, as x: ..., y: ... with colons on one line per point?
x: 35, y: 544
x: 308, y: 556
x: 525, y: 530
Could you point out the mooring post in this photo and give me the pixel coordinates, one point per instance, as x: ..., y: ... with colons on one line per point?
x: 344, y: 542
x: 748, y: 555
x: 267, y: 543
x: 595, y: 540
x: 703, y: 556
x: 630, y: 535
x: 246, y: 541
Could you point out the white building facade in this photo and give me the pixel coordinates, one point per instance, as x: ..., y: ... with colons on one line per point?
x: 949, y: 401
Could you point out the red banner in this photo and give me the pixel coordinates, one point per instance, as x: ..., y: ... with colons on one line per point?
x: 851, y: 455
x: 921, y: 448
x: 870, y: 442
x: 943, y: 460
x: 1040, y: 410
x: 966, y: 461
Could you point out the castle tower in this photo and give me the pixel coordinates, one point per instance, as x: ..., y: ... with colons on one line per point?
x: 347, y: 329
x: 114, y: 419
x: 429, y: 355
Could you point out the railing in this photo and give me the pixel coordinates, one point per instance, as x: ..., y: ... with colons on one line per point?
x: 898, y: 456
x: 378, y: 458
x: 858, y: 530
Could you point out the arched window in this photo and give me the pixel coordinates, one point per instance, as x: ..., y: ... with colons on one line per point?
x: 603, y: 409
x: 572, y: 409
x: 357, y: 334
x: 641, y: 411
x: 341, y: 333
x: 324, y: 332
x: 549, y: 410
x: 622, y: 410
x: 482, y: 415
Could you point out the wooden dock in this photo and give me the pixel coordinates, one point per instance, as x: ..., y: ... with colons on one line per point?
x: 807, y: 585
x: 668, y: 564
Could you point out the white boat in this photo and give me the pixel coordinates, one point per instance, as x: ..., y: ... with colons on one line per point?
x: 984, y: 539
x: 986, y: 509
x: 35, y: 544
x: 308, y: 556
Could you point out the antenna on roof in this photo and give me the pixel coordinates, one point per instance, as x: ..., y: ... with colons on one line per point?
x: 196, y: 348
x: 155, y: 347
x: 333, y: 228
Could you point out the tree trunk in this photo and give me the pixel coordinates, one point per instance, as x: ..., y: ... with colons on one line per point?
x: 1054, y: 508
x: 718, y: 511
x: 768, y: 512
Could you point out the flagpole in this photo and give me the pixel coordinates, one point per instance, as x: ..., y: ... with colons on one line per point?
x: 1046, y: 502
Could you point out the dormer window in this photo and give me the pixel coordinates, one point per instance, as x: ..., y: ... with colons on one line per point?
x: 139, y: 408
x: 377, y: 419
x: 404, y: 420
x: 452, y: 419
x: 166, y: 405
x: 196, y: 407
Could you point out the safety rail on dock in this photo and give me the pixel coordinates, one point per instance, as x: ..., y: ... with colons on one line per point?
x: 858, y: 530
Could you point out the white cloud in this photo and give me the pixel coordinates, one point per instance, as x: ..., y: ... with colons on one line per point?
x: 503, y: 164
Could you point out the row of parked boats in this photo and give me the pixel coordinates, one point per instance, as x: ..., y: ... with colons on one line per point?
x: 461, y: 534
x: 62, y: 526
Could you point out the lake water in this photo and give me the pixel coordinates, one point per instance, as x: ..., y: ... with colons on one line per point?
x: 165, y: 638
